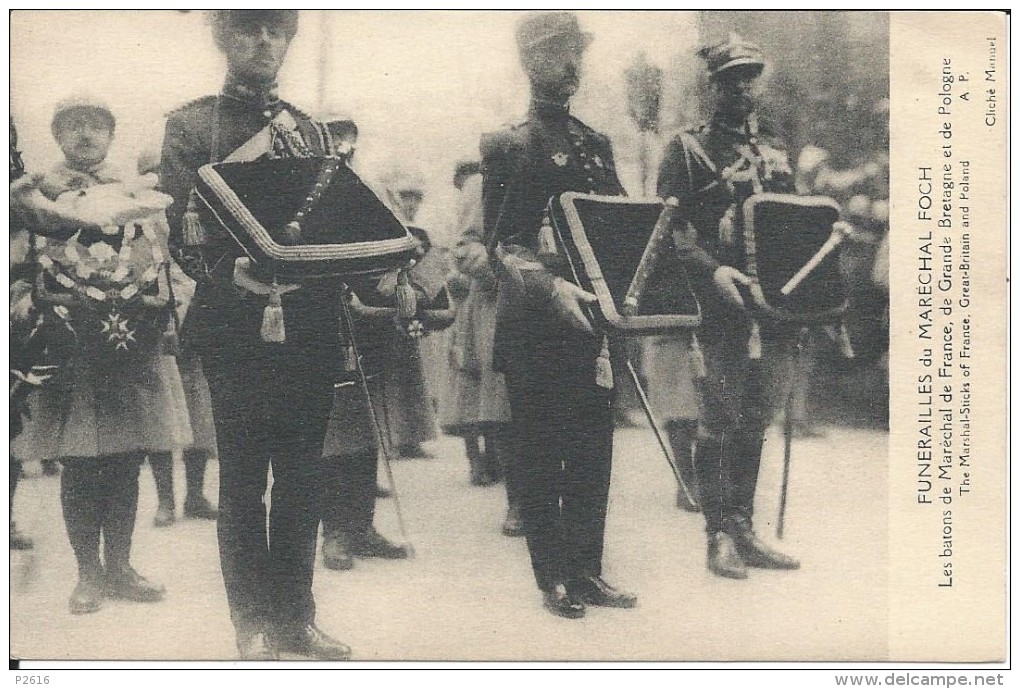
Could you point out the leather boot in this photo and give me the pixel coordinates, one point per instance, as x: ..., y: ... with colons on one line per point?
x: 753, y: 551
x: 336, y: 552
x: 682, y: 434
x: 196, y: 506
x: 708, y: 469
x: 742, y: 468
x: 81, y: 503
x: 490, y: 457
x: 161, y: 465
x: 476, y: 463
x: 513, y: 525
x: 723, y: 559
x: 17, y: 540
x: 118, y: 525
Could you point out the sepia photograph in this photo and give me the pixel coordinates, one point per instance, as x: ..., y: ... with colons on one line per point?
x: 502, y: 336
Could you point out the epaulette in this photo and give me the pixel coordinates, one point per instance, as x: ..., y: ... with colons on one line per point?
x: 502, y: 141
x: 191, y: 105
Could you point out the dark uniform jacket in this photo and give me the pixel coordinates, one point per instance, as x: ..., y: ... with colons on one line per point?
x: 208, y: 130
x: 523, y: 167
x: 712, y: 170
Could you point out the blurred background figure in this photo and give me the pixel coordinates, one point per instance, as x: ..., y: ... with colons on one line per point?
x: 408, y: 404
x: 196, y: 395
x: 478, y: 409
x: 350, y: 448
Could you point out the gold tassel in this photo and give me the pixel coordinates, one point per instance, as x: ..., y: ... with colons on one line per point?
x: 194, y: 235
x: 846, y: 347
x: 697, y: 359
x: 604, y: 367
x: 546, y: 237
x: 273, y: 329
x: 754, y: 342
x: 407, y: 301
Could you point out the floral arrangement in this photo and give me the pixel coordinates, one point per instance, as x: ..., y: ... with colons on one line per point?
x: 104, y: 280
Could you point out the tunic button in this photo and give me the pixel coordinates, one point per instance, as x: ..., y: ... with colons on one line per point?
x: 753, y: 140
x: 267, y: 114
x: 587, y: 166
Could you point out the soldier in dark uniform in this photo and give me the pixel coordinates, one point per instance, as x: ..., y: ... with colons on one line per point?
x: 711, y: 171
x: 271, y: 401
x: 544, y: 342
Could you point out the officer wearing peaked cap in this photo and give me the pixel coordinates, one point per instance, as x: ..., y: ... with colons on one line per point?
x: 544, y: 343
x: 711, y: 171
x: 271, y: 400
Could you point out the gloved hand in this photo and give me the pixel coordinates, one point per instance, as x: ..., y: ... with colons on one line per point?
x: 569, y: 300
x: 727, y: 280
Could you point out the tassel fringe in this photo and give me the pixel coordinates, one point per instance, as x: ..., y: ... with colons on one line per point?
x: 273, y: 329
x: 754, y: 342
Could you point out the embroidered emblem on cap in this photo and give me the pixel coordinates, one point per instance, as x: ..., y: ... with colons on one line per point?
x: 560, y: 158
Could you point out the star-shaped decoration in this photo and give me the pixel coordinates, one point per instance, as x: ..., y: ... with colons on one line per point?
x: 560, y: 158
x: 118, y: 331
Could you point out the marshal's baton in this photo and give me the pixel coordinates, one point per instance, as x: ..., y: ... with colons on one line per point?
x: 840, y: 232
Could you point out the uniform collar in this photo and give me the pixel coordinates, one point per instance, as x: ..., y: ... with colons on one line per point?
x: 745, y: 129
x: 544, y: 109
x: 258, y: 95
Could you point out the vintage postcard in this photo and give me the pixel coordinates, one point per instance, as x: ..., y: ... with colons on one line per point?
x: 407, y: 336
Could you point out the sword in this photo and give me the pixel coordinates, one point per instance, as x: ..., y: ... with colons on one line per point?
x: 667, y: 450
x: 376, y: 427
x: 788, y: 434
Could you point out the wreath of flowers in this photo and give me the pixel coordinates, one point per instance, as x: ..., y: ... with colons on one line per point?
x: 106, y: 280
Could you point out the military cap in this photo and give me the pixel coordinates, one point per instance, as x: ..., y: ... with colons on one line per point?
x: 731, y: 53
x: 224, y: 21
x: 539, y: 28
x: 81, y: 101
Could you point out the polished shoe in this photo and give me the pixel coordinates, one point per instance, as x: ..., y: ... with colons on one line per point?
x: 336, y: 553
x: 513, y: 525
x: 199, y: 508
x: 723, y: 559
x: 561, y: 603
x: 130, y: 585
x: 382, y: 492
x: 313, y: 642
x: 165, y: 517
x: 18, y: 540
x: 257, y: 646
x: 482, y: 477
x: 756, y: 553
x: 374, y: 544
x: 87, y: 596
x: 597, y: 591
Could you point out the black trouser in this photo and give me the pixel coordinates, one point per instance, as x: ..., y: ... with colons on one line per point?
x: 350, y: 493
x: 563, y: 432
x: 271, y: 404
x: 739, y: 398
x: 100, y: 496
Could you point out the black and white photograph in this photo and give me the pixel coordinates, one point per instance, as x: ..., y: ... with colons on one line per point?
x: 462, y: 336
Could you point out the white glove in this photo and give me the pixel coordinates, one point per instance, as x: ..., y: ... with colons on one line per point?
x: 727, y: 279
x: 569, y: 300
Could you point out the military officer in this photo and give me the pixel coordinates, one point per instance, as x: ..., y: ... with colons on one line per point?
x: 544, y: 342
x: 711, y: 171
x: 271, y: 401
